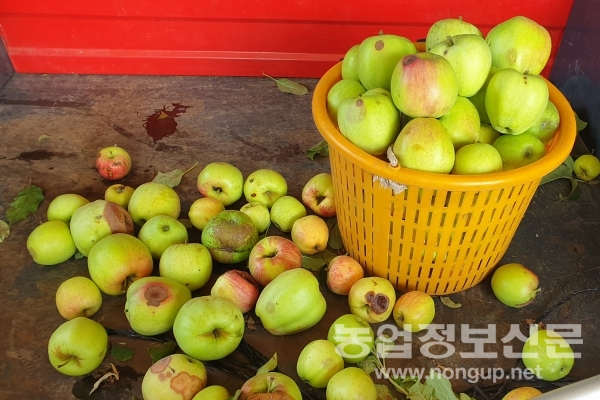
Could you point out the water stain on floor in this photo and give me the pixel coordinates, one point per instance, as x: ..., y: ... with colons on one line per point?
x: 162, y: 122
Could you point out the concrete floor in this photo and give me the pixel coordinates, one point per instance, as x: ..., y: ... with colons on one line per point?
x: 51, y: 128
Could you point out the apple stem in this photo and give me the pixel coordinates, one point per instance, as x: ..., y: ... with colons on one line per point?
x: 450, y: 40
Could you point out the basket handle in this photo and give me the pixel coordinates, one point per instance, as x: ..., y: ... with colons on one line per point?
x: 396, y: 187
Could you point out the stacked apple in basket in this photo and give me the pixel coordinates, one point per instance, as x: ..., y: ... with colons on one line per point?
x: 465, y: 105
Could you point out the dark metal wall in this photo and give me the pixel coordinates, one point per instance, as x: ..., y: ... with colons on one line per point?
x: 576, y: 70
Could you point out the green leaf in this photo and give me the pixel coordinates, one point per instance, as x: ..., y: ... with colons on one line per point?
x: 562, y: 171
x: 269, y: 365
x: 26, y: 203
x: 335, y: 237
x: 4, y: 230
x: 369, y: 364
x: 442, y: 389
x: 121, y: 353
x: 160, y: 351
x: 575, y: 191
x: 383, y: 347
x: 314, y: 262
x: 172, y: 178
x: 418, y: 391
x: 288, y: 86
x: 579, y: 123
x: 569, y: 162
x: 384, y: 393
x: 321, y: 148
x: 449, y: 303
x: 78, y: 255
x: 463, y: 396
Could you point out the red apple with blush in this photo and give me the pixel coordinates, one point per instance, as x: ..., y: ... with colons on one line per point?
x: 342, y: 272
x: 113, y: 163
x: 318, y: 194
x: 271, y: 256
x: 239, y: 287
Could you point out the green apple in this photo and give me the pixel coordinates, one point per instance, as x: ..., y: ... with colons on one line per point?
x: 371, y: 122
x: 96, y: 220
x: 237, y: 286
x: 188, y: 263
x: 522, y: 393
x: 521, y: 44
x: 440, y: 30
x: 310, y: 234
x: 151, y: 199
x: 424, y: 85
x: 414, y: 311
x: 339, y: 92
x: 514, y: 285
x: 176, y: 376
x: 519, y: 150
x: 353, y: 337
x: 63, y: 206
x: 119, y: 194
x: 265, y: 186
x: 274, y: 385
x: 462, y: 123
x: 160, y: 232
x: 221, y: 181
x: 548, y: 355
x: 349, y: 383
x: 202, y: 210
x: 424, y: 144
x: 372, y: 298
x: 286, y: 211
x: 478, y: 99
x: 477, y: 158
x: 377, y: 56
x: 349, y: 70
x: 291, y: 303
x: 259, y: 214
x: 78, y: 346
x: 318, y: 362
x: 153, y: 303
x: 487, y: 134
x: 78, y: 297
x: 229, y: 237
x: 515, y: 101
x: 586, y: 167
x: 213, y: 392
x: 545, y: 127
x: 209, y: 327
x: 116, y: 261
x: 471, y: 59
x: 51, y: 243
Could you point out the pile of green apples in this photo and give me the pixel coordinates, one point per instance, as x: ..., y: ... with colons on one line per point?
x: 136, y: 245
x: 466, y: 105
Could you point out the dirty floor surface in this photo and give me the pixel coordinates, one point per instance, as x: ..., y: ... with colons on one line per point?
x: 51, y: 128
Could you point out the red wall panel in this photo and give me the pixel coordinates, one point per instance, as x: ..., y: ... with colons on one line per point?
x: 294, y: 39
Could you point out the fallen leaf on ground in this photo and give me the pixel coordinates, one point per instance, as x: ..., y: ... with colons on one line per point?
x: 288, y: 86
x: 4, y: 230
x: 26, y: 203
x: 113, y: 374
x: 449, y: 303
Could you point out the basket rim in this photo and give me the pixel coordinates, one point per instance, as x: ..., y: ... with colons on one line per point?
x: 559, y: 148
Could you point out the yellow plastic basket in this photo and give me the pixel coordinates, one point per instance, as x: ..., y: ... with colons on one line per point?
x: 443, y: 233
